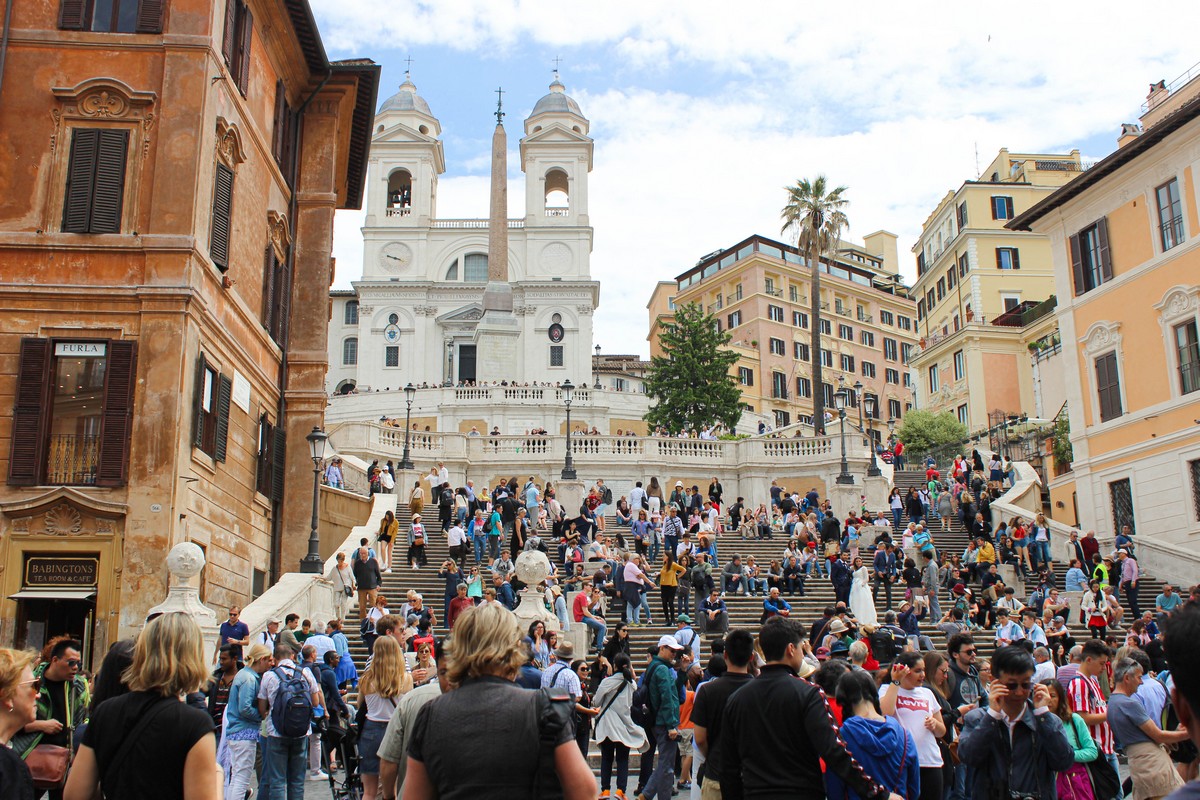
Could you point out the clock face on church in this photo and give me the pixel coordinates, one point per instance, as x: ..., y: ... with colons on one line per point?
x: 395, y: 257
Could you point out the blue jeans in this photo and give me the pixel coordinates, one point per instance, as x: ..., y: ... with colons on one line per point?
x: 284, y: 762
x: 1039, y: 552
x: 661, y: 782
x: 896, y: 518
x: 599, y: 627
x: 480, y: 543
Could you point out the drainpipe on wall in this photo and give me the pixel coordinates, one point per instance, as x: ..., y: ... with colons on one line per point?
x: 8, y: 6
x: 280, y: 415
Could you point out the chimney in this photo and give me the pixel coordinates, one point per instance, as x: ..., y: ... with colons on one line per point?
x: 1158, y: 93
x: 1129, y: 132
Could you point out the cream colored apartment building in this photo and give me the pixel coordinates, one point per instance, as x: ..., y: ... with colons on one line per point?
x: 985, y: 296
x: 759, y: 292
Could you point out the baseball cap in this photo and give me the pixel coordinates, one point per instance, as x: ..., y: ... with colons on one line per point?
x: 822, y: 653
x: 684, y: 618
x: 671, y: 642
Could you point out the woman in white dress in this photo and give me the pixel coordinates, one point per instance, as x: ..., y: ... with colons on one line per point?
x: 861, y: 603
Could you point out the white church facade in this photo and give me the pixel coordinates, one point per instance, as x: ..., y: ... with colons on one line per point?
x: 413, y: 317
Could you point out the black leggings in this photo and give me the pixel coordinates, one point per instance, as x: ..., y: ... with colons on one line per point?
x: 931, y: 783
x: 609, y: 749
x: 668, y: 602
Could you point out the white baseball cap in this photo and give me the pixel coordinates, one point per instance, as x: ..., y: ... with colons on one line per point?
x: 671, y: 642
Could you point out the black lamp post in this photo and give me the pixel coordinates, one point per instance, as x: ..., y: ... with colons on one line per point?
x: 596, y: 366
x: 312, y: 563
x: 568, y: 473
x: 410, y: 392
x: 872, y: 471
x: 839, y: 399
x: 858, y: 398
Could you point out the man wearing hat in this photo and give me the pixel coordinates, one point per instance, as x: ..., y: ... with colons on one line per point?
x: 838, y: 630
x: 686, y: 635
x: 269, y: 635
x: 660, y: 680
x: 672, y: 529
x: 559, y: 674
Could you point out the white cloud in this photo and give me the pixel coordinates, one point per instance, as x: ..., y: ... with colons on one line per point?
x: 893, y: 100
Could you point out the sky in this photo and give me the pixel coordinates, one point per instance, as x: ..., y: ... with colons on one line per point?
x: 702, y: 112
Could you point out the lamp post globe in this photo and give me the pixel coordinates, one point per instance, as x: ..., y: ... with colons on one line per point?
x: 312, y: 563
x: 410, y: 392
x: 839, y: 399
x: 568, y: 392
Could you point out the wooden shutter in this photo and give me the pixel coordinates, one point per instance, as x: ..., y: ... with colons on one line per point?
x: 224, y: 395
x: 222, y: 217
x: 245, y: 34
x: 81, y: 175
x: 283, y: 300
x: 263, y: 469
x: 71, y: 15
x: 198, y: 403
x: 27, y: 459
x: 109, y: 189
x: 1105, y: 254
x: 229, y: 35
x: 149, y: 19
x: 1016, y: 258
x: 278, y: 463
x: 117, y: 420
x: 1077, y: 265
x: 280, y: 117
x: 1108, y: 387
x: 994, y: 208
x: 268, y: 292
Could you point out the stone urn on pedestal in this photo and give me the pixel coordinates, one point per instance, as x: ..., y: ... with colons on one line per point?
x: 533, y: 567
x: 184, y: 563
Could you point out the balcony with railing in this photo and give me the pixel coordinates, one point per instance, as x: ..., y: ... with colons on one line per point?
x: 399, y: 211
x: 1189, y: 377
x: 558, y: 211
x: 867, y: 318
x: 72, y: 459
x: 469, y: 224
x: 1171, y: 231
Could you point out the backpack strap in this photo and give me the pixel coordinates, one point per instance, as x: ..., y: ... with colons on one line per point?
x: 553, y: 716
x: 147, y: 715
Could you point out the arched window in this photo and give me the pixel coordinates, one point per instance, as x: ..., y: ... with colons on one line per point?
x: 452, y: 273
x: 558, y: 193
x: 475, y: 267
x: 351, y: 313
x: 350, y: 351
x: 399, y: 197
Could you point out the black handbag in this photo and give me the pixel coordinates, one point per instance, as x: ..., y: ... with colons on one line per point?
x: 1105, y: 780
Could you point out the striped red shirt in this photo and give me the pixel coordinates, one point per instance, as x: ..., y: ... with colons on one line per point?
x: 1084, y: 695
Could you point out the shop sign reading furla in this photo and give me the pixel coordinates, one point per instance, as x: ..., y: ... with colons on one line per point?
x: 81, y: 349
x: 556, y: 333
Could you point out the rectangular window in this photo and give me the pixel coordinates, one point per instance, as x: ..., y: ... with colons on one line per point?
x: 868, y: 369
x: 277, y: 294
x: 962, y: 215
x: 826, y: 358
x: 95, y: 181
x: 891, y: 375
x: 933, y: 379
x: 906, y: 352
x: 350, y: 351
x: 960, y: 366
x: 779, y: 386
x: 778, y: 348
x: 846, y: 332
x: 235, y: 42
x: 1091, y: 260
x: 964, y: 265
x: 391, y: 355
x: 111, y: 16
x: 734, y: 319
x: 930, y: 301
x: 802, y: 352
x: 556, y: 355
x: 1010, y: 302
x: 867, y: 338
x: 962, y: 414
x: 769, y: 285
x: 737, y: 292
x: 272, y: 461
x: 1008, y: 258
x: 214, y: 392
x: 847, y: 363
x: 782, y: 418
x: 720, y: 302
x: 1002, y: 208
x: 1108, y: 387
x: 889, y: 349
x: 827, y: 394
x: 871, y: 411
x: 951, y: 278
x: 222, y: 217
x: 920, y: 263
x: 908, y: 383
x: 826, y: 329
x: 1170, y: 214
x: 886, y: 318
x: 351, y: 315
x: 1187, y: 347
x: 1194, y: 472
x: 283, y: 133
x: 775, y: 313
x: 921, y: 309
x: 894, y: 409
x: 941, y: 288
x: 1121, y: 494
x: 794, y: 293
x: 904, y: 323
x: 745, y: 376
x: 799, y: 319
x: 803, y: 387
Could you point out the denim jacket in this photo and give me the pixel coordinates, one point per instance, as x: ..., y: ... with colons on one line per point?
x: 242, y: 712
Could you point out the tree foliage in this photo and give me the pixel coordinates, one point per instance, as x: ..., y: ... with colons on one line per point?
x: 691, y: 381
x: 925, y: 430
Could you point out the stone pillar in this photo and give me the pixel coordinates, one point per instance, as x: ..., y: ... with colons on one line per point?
x: 877, y: 490
x: 184, y: 563
x: 570, y: 495
x: 498, y: 334
x: 845, y: 498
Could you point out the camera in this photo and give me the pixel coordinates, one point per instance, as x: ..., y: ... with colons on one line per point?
x: 1015, y: 795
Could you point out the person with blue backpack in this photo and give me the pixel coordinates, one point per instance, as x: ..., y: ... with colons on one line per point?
x: 287, y: 697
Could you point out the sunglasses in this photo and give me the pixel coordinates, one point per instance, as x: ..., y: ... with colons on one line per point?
x: 36, y: 683
x: 1018, y: 687
x: 74, y: 663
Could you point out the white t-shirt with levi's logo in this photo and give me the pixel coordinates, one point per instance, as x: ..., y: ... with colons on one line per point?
x: 912, y: 707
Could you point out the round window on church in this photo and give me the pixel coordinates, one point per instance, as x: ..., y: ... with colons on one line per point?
x: 393, y: 319
x: 556, y: 318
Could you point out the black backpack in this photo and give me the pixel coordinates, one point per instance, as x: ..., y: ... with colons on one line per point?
x: 641, y: 709
x: 292, y: 706
x: 607, y: 496
x: 883, y: 646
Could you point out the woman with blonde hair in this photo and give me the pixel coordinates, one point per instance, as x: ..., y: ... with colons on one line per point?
x: 18, y: 708
x: 380, y: 690
x: 152, y: 725
x: 389, y: 529
x: 243, y: 720
x: 482, y: 659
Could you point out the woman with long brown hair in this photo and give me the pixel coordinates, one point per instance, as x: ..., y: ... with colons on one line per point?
x: 379, y: 690
x: 389, y: 529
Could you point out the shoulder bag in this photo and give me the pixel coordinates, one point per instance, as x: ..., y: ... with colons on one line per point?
x: 554, y: 709
x: 1105, y: 780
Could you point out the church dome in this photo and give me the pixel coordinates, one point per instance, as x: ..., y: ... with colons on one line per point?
x: 406, y: 99
x: 557, y: 102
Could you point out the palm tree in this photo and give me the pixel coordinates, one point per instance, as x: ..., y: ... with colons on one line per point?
x: 815, y: 217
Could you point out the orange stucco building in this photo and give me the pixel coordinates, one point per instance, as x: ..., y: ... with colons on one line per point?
x: 1126, y: 246
x: 169, y: 172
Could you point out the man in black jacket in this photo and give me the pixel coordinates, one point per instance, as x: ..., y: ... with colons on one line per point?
x: 777, y: 727
x: 712, y: 697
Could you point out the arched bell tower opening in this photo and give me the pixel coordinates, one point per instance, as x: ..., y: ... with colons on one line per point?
x: 558, y: 193
x: 399, y: 193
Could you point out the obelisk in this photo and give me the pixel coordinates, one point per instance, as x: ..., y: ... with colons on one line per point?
x: 497, y: 336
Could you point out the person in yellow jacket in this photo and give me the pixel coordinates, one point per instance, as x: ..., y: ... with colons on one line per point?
x: 987, y: 553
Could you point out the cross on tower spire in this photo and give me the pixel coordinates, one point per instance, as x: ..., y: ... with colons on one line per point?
x: 557, y: 61
x: 499, y: 106
x: 408, y: 66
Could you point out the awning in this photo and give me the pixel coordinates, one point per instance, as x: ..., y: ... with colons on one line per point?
x: 53, y: 594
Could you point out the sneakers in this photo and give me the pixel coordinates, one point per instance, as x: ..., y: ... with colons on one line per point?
x: 318, y: 775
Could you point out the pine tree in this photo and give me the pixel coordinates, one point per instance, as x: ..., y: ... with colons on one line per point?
x: 691, y: 381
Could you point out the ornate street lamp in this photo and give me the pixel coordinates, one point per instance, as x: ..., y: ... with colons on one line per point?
x: 568, y: 473
x: 872, y: 471
x: 410, y: 392
x: 312, y: 563
x: 839, y: 400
